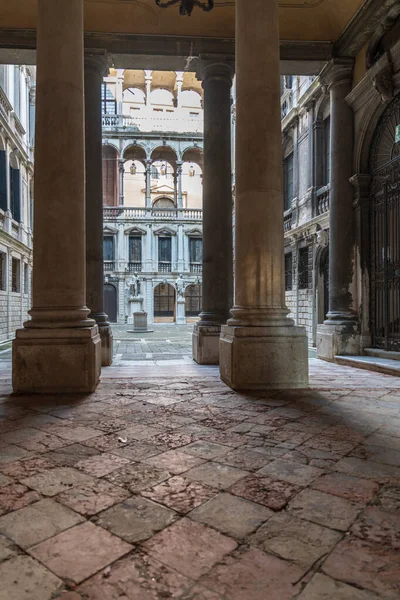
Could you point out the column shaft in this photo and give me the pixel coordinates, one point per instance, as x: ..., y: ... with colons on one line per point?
x: 95, y: 68
x: 121, y: 167
x: 217, y: 212
x: 148, y: 184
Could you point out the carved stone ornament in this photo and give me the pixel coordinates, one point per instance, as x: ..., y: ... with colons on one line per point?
x: 383, y: 83
x: 322, y: 238
x: 186, y: 6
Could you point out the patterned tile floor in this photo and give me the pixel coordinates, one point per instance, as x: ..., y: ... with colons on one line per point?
x: 165, y: 484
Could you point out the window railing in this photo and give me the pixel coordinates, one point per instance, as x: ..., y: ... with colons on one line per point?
x: 153, y: 123
x: 287, y: 222
x: 196, y: 268
x: 322, y: 200
x: 109, y: 265
x: 164, y: 267
x: 135, y: 267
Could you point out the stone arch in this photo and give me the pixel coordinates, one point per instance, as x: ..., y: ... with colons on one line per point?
x: 111, y: 301
x: 135, y: 152
x: 164, y: 202
x: 164, y: 302
x: 195, y: 155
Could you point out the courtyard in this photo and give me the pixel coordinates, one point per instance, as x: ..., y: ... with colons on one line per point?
x: 164, y: 483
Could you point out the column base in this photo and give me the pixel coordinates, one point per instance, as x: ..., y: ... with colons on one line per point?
x: 338, y: 339
x: 56, y: 360
x: 205, y: 344
x: 106, y: 337
x: 264, y: 358
x: 180, y: 312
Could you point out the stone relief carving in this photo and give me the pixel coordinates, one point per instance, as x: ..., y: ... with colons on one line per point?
x: 383, y: 83
x: 180, y: 286
x: 322, y: 238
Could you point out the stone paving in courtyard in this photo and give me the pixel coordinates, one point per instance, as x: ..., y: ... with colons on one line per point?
x: 179, y: 488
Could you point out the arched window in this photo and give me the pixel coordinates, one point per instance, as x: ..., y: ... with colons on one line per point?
x: 190, y: 99
x: 162, y: 97
x: 164, y: 203
x: 193, y: 300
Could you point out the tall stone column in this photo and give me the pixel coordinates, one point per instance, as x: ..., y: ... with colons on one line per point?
x: 121, y: 168
x: 260, y: 347
x: 179, y: 170
x: 148, y: 184
x: 340, y: 332
x: 59, y: 349
x: 96, y: 67
x: 217, y: 212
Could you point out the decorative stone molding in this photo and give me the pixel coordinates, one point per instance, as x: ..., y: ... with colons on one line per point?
x: 337, y: 72
x: 98, y: 61
x: 222, y: 70
x: 383, y: 82
x: 322, y: 238
x: 135, y: 231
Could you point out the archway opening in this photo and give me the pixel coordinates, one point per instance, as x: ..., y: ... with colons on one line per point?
x: 193, y: 301
x: 164, y: 303
x: 110, y: 302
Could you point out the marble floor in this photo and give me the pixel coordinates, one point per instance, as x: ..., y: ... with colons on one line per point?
x: 165, y: 484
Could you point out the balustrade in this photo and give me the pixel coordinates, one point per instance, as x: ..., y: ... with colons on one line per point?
x: 152, y: 123
x: 287, y: 222
x: 322, y: 200
x: 196, y: 268
x: 165, y: 214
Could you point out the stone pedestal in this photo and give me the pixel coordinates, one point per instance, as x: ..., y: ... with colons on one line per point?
x: 56, y: 360
x: 59, y: 349
x: 181, y: 311
x: 264, y: 357
x: 260, y: 347
x: 217, y: 212
x: 338, y: 340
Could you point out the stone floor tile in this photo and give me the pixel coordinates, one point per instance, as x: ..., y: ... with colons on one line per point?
x: 34, y: 440
x: 80, y: 552
x: 198, y: 592
x: 4, y: 480
x: 10, y: 453
x: 175, y: 461
x: 109, y: 425
x: 189, y: 547
x: 232, y: 515
x: 137, y: 477
x: 68, y: 596
x: 139, y: 432
x: 139, y: 451
x: 324, y: 509
x: 387, y: 456
x: 174, y: 439
x: 106, y: 443
x: 37, y: 522
x: 70, y: 455
x: 365, y: 565
x: 227, y: 438
x: 252, y: 575
x: 136, y: 519
x: 101, y: 464
x: 180, y: 494
x: 368, y: 469
x: 325, y: 588
x: 138, y: 576
x: 93, y: 497
x: 293, y: 539
x: 376, y: 526
x: 76, y: 433
x: 23, y: 578
x: 272, y: 493
x: 346, y: 486
x: 243, y: 458
x: 25, y: 468
x: 205, y: 449
x: 389, y: 499
x: 216, y: 475
x: 291, y: 471
x: 7, y: 548
x: 324, y: 442
x: 54, y: 481
x: 15, y: 496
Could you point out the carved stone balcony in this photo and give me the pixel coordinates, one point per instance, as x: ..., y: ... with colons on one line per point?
x: 322, y: 200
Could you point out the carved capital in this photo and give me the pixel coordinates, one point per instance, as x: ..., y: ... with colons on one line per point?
x: 214, y: 70
x: 97, y: 62
x: 338, y: 71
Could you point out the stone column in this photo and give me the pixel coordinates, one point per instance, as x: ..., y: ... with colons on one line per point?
x: 121, y: 167
x: 179, y: 84
x: 148, y: 79
x: 217, y: 212
x: 179, y: 170
x: 96, y: 67
x: 148, y: 184
x: 340, y: 332
x: 260, y: 347
x: 59, y: 349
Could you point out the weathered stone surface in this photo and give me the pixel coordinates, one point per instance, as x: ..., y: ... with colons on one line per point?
x: 251, y: 574
x: 345, y: 486
x: 137, y: 477
x: 270, y: 492
x: 243, y: 458
x: 232, y: 515
x: 35, y: 523
x: 139, y: 450
x: 369, y: 469
x: 15, y: 496
x: 80, y: 552
x: 175, y: 461
x: 365, y: 565
x: 174, y: 439
x: 324, y: 509
x: 180, y: 494
x: 10, y: 453
x: 23, y: 578
x: 389, y: 499
x: 54, y: 481
x: 137, y: 576
x: 70, y: 455
x: 387, y: 456
x: 26, y: 468
x: 292, y: 472
x: 293, y: 539
x: 216, y: 475
x: 325, y: 588
x: 206, y: 450
x: 100, y: 465
x: 190, y: 548
x: 7, y: 548
x: 4, y: 480
x: 376, y: 526
x: 136, y: 519
x: 93, y: 497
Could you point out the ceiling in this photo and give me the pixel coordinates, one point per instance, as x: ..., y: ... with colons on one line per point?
x: 302, y: 20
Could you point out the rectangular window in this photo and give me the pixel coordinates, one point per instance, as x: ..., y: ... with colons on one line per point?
x: 164, y: 249
x: 135, y: 248
x: 196, y: 250
x: 108, y: 248
x: 3, y: 271
x: 327, y: 151
x: 288, y: 272
x: 26, y: 279
x: 303, y: 268
x: 15, y: 275
x: 3, y: 181
x: 108, y: 102
x: 288, y: 181
x: 15, y: 194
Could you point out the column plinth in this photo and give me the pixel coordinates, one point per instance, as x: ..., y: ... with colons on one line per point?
x: 96, y: 67
x: 340, y: 332
x: 260, y: 348
x: 217, y: 209
x: 59, y: 348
